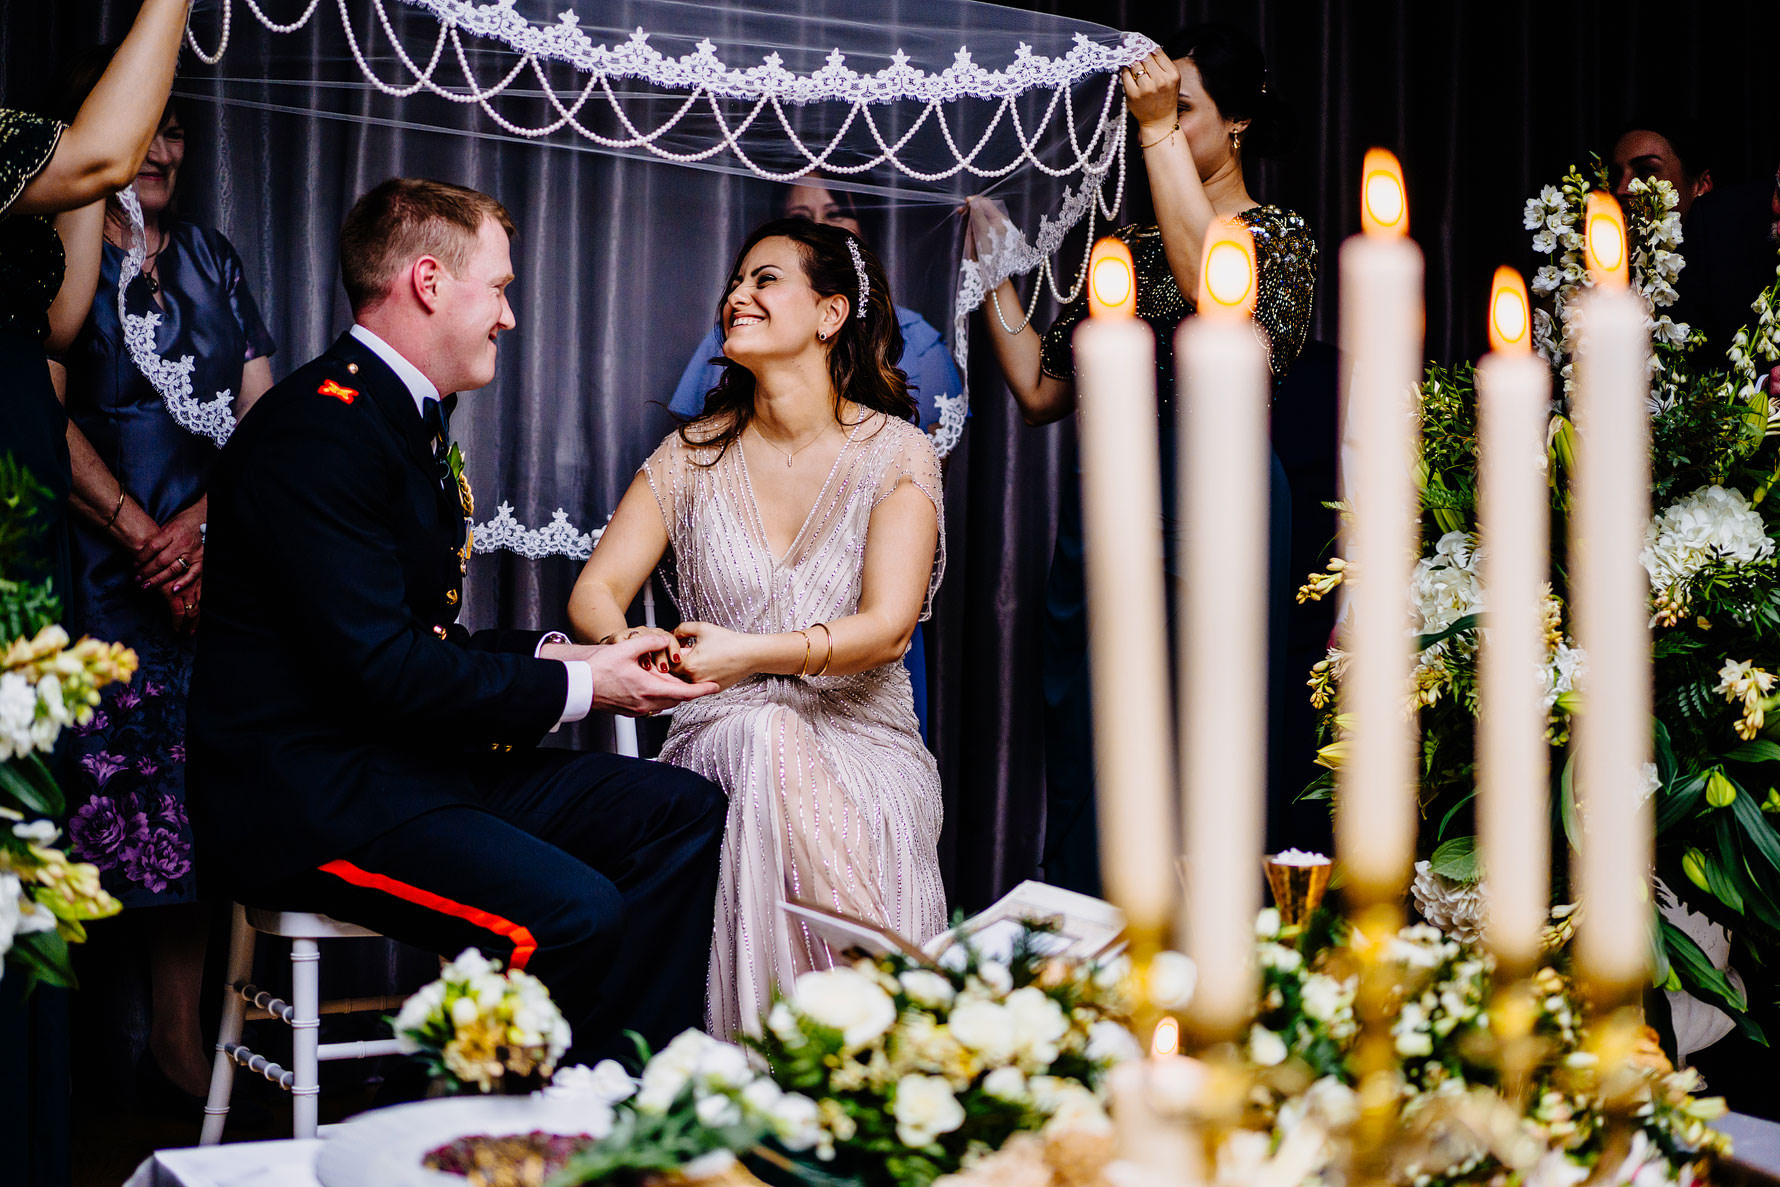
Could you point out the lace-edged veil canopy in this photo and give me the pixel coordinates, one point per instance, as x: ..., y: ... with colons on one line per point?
x: 905, y: 107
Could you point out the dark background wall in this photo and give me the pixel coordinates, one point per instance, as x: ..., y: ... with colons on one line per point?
x: 1484, y: 101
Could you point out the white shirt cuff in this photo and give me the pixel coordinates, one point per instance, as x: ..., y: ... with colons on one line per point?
x: 580, y: 700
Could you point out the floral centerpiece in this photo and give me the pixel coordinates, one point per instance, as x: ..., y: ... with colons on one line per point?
x: 888, y: 1071
x: 479, y: 1029
x: 1457, y: 1122
x: 1715, y: 605
x: 47, y: 683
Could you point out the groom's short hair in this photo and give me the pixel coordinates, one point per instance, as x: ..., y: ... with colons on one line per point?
x: 403, y: 219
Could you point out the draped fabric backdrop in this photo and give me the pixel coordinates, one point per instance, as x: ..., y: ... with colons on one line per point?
x: 620, y: 264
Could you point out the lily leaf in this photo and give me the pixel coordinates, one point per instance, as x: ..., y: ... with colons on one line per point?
x: 1457, y: 859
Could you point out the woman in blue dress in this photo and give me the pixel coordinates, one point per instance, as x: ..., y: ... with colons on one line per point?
x: 139, y: 510
x: 926, y: 359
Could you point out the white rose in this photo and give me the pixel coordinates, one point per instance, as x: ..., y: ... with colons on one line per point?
x: 1108, y: 1042
x: 927, y: 988
x: 783, y: 1023
x: 464, y: 1011
x: 1173, y: 976
x: 1323, y: 997
x: 796, y: 1121
x: 1006, y: 1083
x: 1265, y: 1047
x: 995, y: 976
x: 1267, y: 923
x: 924, y: 1108
x: 712, y: 1166
x: 760, y: 1096
x: 985, y: 1028
x: 845, y: 1001
x: 1039, y: 1024
x: 469, y: 965
x: 1112, y: 974
x: 724, y: 1066
x: 1079, y: 1110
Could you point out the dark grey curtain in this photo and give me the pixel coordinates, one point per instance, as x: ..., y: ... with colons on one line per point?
x: 1484, y: 101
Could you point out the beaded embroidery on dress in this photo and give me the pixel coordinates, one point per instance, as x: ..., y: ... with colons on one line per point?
x: 833, y: 798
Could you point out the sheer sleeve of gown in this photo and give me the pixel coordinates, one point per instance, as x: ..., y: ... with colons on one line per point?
x: 915, y: 462
x: 833, y: 799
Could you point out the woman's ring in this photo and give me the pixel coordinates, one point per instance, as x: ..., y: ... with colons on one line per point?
x: 1139, y: 71
x: 181, y: 562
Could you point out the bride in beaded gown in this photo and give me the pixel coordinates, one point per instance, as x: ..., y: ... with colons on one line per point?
x: 800, y: 533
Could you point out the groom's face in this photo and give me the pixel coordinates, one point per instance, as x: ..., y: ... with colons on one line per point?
x: 474, y: 312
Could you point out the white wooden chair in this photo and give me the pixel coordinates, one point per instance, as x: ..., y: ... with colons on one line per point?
x: 302, y: 1014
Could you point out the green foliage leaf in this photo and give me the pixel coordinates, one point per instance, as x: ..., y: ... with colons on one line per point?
x: 1759, y: 750
x: 31, y: 786
x: 1457, y: 627
x: 1697, y: 972
x: 43, y: 955
x: 1456, y: 859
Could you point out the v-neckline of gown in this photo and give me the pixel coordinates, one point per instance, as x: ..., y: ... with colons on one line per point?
x: 766, y: 540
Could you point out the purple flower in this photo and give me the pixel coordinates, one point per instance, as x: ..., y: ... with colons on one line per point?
x: 176, y: 753
x: 156, y: 857
x: 98, y: 831
x: 102, y: 766
x: 169, y: 810
x: 127, y: 698
x: 95, y: 723
x: 146, y: 767
x: 151, y: 689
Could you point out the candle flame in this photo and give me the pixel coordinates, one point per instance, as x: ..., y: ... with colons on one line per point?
x: 1510, y: 322
x: 1384, y: 201
x: 1167, y: 1038
x: 1227, y: 270
x: 1112, y: 281
x: 1604, y: 236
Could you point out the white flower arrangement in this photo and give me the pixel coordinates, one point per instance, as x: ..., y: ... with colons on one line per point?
x: 483, y: 1030
x: 1711, y: 526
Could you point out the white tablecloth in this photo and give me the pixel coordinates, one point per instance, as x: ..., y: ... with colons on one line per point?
x: 237, y: 1164
x: 292, y: 1164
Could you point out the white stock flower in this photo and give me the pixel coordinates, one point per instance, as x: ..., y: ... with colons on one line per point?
x: 18, y: 709
x: 606, y: 1082
x: 716, y: 1111
x: 996, y: 976
x: 1562, y: 670
x: 671, y: 1070
x: 723, y: 1067
x: 1173, y: 977
x: 985, y: 1028
x: 1323, y: 997
x: 1545, y: 242
x: 844, y: 1000
x: 927, y: 988
x: 924, y: 1108
x: 1079, y: 1110
x: 783, y: 1023
x: 425, y: 1004
x: 37, y: 832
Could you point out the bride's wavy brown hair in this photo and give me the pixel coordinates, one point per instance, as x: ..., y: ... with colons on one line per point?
x: 862, y: 355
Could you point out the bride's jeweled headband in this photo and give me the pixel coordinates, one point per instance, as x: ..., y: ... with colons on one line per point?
x: 859, y: 267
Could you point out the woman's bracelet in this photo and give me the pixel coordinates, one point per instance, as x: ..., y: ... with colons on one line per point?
x: 827, y: 656
x: 1161, y: 138
x: 118, y: 509
x: 803, y: 669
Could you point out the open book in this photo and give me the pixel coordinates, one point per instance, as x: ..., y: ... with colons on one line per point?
x: 1083, y: 927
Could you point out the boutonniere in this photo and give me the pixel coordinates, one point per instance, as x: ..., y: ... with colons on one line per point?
x: 454, y: 461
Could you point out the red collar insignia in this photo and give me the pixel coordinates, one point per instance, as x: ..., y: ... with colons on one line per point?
x: 345, y: 395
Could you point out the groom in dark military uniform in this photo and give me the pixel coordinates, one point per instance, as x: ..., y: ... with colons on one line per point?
x: 356, y: 752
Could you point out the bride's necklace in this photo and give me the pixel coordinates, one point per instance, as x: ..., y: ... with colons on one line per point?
x: 791, y: 454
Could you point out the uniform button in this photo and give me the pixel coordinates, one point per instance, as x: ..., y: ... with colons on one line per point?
x: 352, y: 368
x: 439, y: 631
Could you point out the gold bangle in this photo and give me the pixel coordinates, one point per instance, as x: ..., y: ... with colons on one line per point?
x: 828, y: 657
x: 804, y: 668
x: 1161, y: 138
x: 118, y: 509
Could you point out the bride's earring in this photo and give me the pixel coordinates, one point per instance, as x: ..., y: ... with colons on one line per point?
x: 821, y: 335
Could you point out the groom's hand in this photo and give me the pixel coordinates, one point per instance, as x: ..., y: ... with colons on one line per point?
x: 626, y: 680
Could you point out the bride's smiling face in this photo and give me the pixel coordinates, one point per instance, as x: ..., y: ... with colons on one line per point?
x: 771, y: 310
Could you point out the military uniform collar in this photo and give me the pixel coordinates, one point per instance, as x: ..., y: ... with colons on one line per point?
x: 418, y: 385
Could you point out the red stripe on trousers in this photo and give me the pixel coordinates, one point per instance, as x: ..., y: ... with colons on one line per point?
x: 523, y: 942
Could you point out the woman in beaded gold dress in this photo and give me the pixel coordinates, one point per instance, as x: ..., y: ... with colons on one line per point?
x: 800, y: 519
x: 1202, y: 106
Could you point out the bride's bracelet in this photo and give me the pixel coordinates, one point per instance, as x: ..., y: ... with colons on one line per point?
x: 1158, y: 140
x: 828, y: 656
x: 803, y: 669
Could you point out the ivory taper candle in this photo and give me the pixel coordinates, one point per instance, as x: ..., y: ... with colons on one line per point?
x: 1222, y: 627
x: 1381, y: 337
x: 1115, y: 357
x: 1610, y: 593
x: 1514, y: 520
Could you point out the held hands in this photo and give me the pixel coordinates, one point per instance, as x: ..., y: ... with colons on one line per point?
x: 173, y: 558
x: 714, y: 654
x: 1152, y: 93
x: 632, y: 677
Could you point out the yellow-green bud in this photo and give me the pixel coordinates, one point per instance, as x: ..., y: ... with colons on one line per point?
x: 1693, y: 864
x: 1720, y: 791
